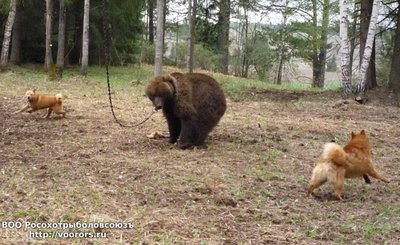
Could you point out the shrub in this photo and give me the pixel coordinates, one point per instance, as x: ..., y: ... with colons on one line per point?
x: 204, y: 58
x: 147, y: 53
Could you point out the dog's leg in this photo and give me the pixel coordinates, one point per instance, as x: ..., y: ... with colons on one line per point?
x: 62, y: 113
x: 373, y: 173
x: 22, y: 109
x: 315, y: 182
x: 339, y: 186
x: 366, y: 179
x: 48, y: 112
x: 58, y: 109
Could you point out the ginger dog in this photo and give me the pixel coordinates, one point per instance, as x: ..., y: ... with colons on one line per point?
x: 337, y: 163
x: 38, y: 101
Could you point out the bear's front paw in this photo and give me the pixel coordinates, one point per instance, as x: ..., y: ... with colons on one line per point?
x: 172, y: 140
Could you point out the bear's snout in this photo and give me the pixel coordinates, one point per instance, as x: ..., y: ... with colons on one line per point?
x: 158, y: 103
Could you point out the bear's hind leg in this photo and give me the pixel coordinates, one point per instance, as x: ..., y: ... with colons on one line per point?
x: 200, y: 135
x: 188, y: 133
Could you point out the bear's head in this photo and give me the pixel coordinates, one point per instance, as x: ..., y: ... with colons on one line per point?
x: 160, y: 90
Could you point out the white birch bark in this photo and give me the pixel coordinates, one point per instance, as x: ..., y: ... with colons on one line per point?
x: 7, y: 34
x: 159, y: 45
x: 344, y: 50
x: 85, y: 38
x: 361, y: 78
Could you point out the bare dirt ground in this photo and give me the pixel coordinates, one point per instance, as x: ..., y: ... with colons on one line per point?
x: 247, y: 187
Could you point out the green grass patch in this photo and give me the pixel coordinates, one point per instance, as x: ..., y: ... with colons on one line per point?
x: 136, y: 76
x: 369, y: 228
x: 165, y: 239
x: 263, y: 174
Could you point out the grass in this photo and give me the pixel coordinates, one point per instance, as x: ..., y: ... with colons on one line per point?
x: 263, y: 174
x: 237, y: 88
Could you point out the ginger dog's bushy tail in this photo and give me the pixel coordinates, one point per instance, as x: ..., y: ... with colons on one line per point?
x: 335, y: 153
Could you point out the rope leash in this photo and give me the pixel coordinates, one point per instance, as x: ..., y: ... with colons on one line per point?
x: 107, y: 41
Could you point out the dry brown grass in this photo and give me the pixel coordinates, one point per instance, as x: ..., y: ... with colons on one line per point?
x: 248, y: 187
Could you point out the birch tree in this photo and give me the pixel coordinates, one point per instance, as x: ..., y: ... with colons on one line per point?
x: 361, y: 78
x: 49, y: 26
x: 85, y: 38
x: 7, y: 34
x: 344, y: 50
x: 365, y: 19
x: 159, y: 42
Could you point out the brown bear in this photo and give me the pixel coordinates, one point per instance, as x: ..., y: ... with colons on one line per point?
x: 192, y: 103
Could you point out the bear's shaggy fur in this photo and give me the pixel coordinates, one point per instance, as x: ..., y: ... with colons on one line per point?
x: 192, y: 103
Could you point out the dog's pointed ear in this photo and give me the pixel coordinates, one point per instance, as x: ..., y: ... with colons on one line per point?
x: 352, y: 135
x: 362, y: 132
x: 34, y: 90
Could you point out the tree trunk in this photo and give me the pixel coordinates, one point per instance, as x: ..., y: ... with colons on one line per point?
x: 192, y: 25
x: 320, y: 43
x: 394, y: 78
x: 365, y: 18
x: 282, y: 48
x: 315, y: 62
x: 223, y: 35
x: 7, y: 35
x: 319, y: 62
x: 61, y: 38
x: 237, y: 71
x: 280, y: 70
x: 159, y: 46
x: 344, y: 50
x: 353, y: 38
x: 176, y: 43
x: 85, y: 38
x: 49, y: 27
x: 245, y: 61
x: 361, y: 79
x: 150, y: 13
x: 15, y: 56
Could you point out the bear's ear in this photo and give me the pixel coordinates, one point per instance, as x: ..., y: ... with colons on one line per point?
x: 362, y: 132
x: 352, y: 135
x: 169, y: 78
x: 176, y: 75
x: 166, y: 78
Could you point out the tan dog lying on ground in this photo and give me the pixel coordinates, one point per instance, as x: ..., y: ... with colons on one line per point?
x: 38, y: 101
x: 337, y: 163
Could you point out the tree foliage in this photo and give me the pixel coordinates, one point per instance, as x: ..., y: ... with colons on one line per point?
x: 124, y: 17
x: 227, y: 34
x: 126, y: 29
